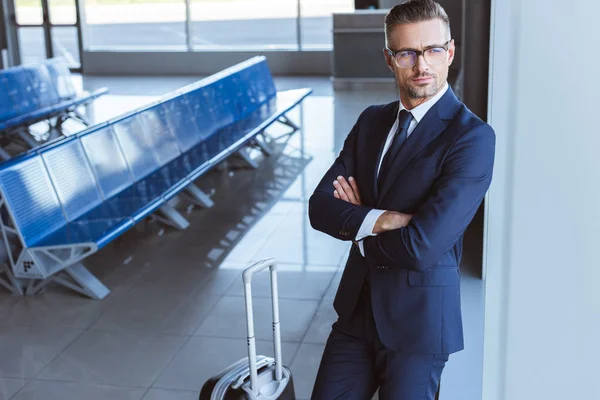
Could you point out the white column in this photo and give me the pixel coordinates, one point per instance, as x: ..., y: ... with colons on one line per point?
x: 542, y: 334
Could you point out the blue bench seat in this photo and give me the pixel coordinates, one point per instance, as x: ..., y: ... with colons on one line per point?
x: 42, y: 92
x: 55, y: 110
x: 100, y: 232
x: 69, y: 198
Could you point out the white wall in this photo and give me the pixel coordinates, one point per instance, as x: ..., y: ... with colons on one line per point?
x: 542, y: 335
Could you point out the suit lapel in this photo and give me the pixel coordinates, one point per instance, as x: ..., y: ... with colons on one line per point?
x: 386, y: 118
x: 435, y: 122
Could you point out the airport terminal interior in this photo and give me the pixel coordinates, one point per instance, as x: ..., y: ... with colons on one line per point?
x: 153, y: 306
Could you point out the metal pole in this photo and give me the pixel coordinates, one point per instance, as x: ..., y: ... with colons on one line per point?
x: 3, y: 41
x: 299, y: 25
x: 476, y: 26
x: 188, y: 25
x: 47, y: 29
x: 12, y: 34
x: 80, y: 24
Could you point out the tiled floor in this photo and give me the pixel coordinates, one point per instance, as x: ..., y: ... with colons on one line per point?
x: 176, y: 314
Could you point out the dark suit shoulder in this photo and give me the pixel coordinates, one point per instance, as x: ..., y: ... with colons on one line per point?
x: 473, y: 135
x: 376, y: 110
x: 469, y: 120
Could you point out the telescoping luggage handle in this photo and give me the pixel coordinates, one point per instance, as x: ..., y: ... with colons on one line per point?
x: 247, y: 277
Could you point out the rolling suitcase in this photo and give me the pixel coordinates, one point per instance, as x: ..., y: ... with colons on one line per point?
x: 254, y: 377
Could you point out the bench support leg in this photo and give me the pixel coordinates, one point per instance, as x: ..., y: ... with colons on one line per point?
x: 5, y: 285
x: 244, y: 155
x: 198, y: 196
x: 78, y: 115
x: 27, y: 138
x: 12, y: 285
x: 81, y: 281
x: 73, y: 114
x: 286, y: 121
x: 4, y: 155
x: 57, y: 129
x: 173, y: 217
x: 85, y: 282
x: 262, y: 143
x: 88, y: 283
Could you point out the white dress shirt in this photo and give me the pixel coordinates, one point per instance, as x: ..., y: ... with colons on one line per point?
x: 366, y: 229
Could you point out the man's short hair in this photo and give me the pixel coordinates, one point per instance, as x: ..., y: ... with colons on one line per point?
x: 412, y: 11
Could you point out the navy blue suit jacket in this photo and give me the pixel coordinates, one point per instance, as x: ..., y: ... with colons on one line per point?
x: 440, y: 176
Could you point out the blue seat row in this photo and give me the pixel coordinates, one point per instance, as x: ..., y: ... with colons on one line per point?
x: 34, y: 93
x: 66, y: 200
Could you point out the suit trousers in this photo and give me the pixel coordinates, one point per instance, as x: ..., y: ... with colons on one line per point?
x: 355, y: 363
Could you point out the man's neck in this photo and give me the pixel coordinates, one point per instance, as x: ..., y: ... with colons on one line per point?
x: 410, y: 103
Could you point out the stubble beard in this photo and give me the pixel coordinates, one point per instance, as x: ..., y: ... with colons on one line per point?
x: 421, y: 91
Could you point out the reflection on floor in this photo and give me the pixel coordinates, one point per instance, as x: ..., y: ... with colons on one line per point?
x: 175, y: 315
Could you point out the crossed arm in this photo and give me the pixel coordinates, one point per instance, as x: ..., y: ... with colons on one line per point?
x: 416, y: 241
x: 335, y: 207
x: 347, y: 190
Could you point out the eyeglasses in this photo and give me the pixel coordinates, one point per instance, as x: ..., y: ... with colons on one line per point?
x: 408, y: 58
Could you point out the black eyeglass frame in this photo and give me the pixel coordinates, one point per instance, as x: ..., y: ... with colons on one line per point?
x: 418, y: 53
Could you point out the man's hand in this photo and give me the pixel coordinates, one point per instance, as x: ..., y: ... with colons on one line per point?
x: 347, y: 191
x: 390, y: 220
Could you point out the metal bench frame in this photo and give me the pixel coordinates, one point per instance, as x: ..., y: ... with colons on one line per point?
x: 32, y: 268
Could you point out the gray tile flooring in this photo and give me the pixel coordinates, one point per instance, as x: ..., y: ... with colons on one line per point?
x: 176, y: 312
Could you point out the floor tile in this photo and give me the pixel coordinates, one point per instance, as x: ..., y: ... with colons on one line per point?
x: 10, y: 386
x: 163, y: 394
x: 289, y: 248
x: 333, y: 287
x: 28, y: 350
x: 228, y: 318
x: 154, y: 311
x: 303, y: 284
x: 55, y: 307
x: 48, y: 390
x: 320, y: 327
x: 201, y: 358
x: 305, y: 367
x: 111, y: 358
x: 244, y: 251
x: 182, y: 273
x: 462, y: 378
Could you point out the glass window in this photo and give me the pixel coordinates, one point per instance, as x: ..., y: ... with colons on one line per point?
x: 317, y: 21
x: 31, y: 45
x: 29, y: 12
x: 62, y: 12
x: 65, y: 43
x: 135, y: 24
x: 244, y: 24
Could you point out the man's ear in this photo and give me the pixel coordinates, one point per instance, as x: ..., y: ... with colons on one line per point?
x: 451, y: 52
x: 388, y: 60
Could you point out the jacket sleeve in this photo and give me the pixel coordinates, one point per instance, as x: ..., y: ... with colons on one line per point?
x: 334, y: 217
x: 450, y: 207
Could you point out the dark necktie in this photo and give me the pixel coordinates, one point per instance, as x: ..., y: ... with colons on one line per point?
x: 404, y: 120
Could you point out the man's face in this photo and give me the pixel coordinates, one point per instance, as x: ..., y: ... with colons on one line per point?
x: 420, y: 82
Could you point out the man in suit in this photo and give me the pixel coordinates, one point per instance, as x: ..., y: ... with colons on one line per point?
x: 407, y: 183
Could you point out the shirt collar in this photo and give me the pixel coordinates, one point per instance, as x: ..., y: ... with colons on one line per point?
x: 419, y: 111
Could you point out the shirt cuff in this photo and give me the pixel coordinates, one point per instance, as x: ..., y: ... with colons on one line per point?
x: 361, y: 247
x: 366, y: 229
